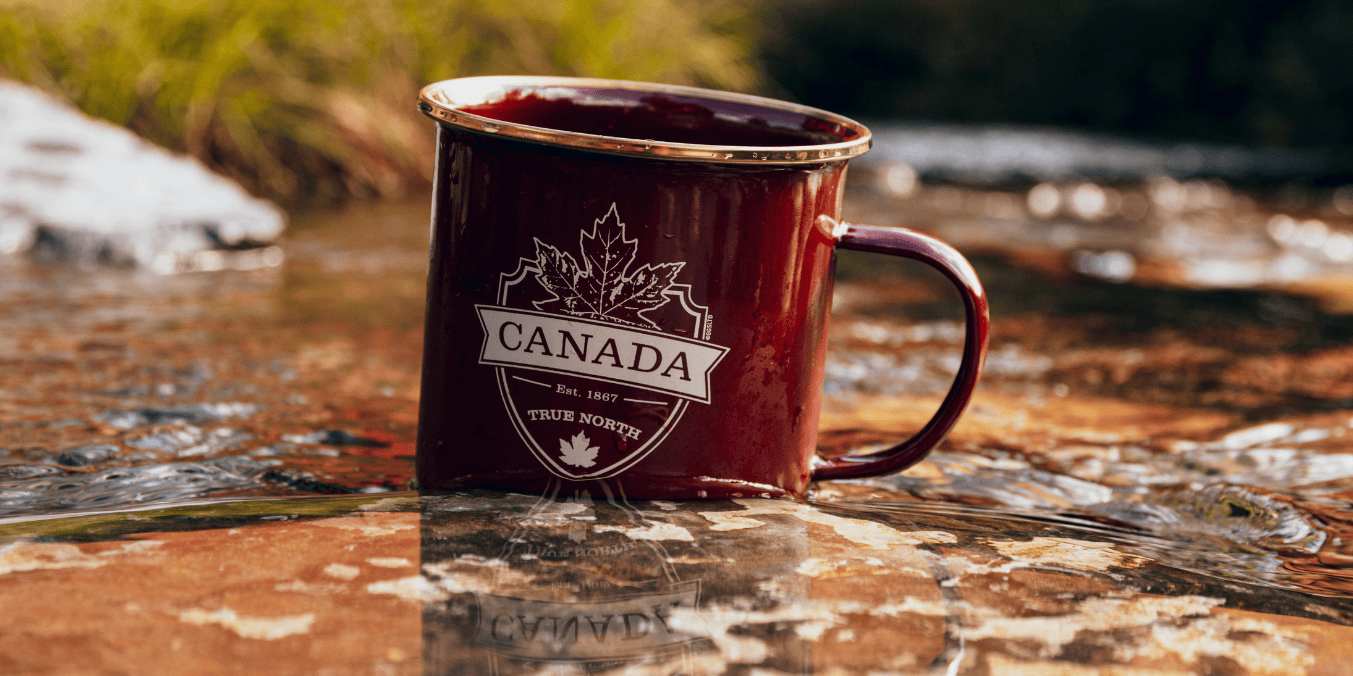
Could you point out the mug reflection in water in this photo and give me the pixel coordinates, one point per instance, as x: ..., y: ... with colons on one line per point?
x: 584, y: 584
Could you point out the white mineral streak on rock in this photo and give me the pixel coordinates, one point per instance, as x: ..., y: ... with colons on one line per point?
x: 1000, y: 664
x: 263, y: 628
x: 469, y: 562
x: 1309, y: 436
x: 700, y: 560
x: 1153, y: 629
x: 653, y: 531
x: 560, y: 513
x: 961, y: 568
x: 730, y: 521
x: 1077, y: 554
x: 82, y: 190
x: 809, y: 621
x: 1253, y: 436
x: 1095, y: 614
x: 818, y: 567
x: 387, y: 505
x: 566, y: 507
x: 303, y: 587
x: 716, y: 621
x: 822, y: 568
x: 136, y: 547
x: 811, y: 630
x: 1258, y: 647
x: 389, y: 562
x: 914, y: 606
x: 868, y: 533
x: 18, y: 557
x: 372, y: 526
x: 474, y: 573
x: 342, y: 571
x: 22, y: 556
x: 1292, y: 644
x: 414, y: 588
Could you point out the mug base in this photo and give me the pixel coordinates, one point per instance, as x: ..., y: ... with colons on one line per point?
x: 623, y: 487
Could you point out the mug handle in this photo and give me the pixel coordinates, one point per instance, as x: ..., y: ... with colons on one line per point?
x: 918, y: 246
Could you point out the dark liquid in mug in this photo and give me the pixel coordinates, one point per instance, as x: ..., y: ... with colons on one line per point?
x: 672, y: 119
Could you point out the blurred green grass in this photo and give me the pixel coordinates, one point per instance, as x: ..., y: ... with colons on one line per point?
x: 314, y: 100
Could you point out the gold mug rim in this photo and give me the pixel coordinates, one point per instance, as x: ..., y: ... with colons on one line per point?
x: 441, y: 101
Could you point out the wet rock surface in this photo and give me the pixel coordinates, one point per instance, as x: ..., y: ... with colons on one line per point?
x: 481, y: 582
x: 1154, y: 476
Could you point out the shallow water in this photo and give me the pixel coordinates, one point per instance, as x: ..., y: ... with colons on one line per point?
x: 995, y: 153
x: 1207, y: 429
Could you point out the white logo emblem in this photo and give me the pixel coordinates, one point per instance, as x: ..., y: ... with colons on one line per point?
x: 599, y: 358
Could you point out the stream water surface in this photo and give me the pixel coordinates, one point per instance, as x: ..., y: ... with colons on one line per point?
x: 1171, y: 374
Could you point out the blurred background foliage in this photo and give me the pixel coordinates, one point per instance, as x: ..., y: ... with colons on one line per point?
x: 313, y: 99
x: 306, y: 100
x: 1258, y: 72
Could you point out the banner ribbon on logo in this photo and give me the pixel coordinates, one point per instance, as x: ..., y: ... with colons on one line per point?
x: 602, y: 351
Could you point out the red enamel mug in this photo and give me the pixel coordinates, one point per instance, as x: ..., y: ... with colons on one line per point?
x: 630, y: 286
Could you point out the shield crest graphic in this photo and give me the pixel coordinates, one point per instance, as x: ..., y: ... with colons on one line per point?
x: 597, y: 357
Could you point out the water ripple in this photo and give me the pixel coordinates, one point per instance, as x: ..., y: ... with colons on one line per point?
x: 126, y: 486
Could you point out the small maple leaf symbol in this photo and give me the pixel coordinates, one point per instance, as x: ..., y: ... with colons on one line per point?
x: 577, y: 532
x: 603, y: 286
x: 577, y: 452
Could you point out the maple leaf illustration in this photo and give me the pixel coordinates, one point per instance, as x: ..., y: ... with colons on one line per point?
x: 559, y: 275
x: 576, y: 451
x: 642, y: 290
x: 602, y: 285
x: 577, y: 532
